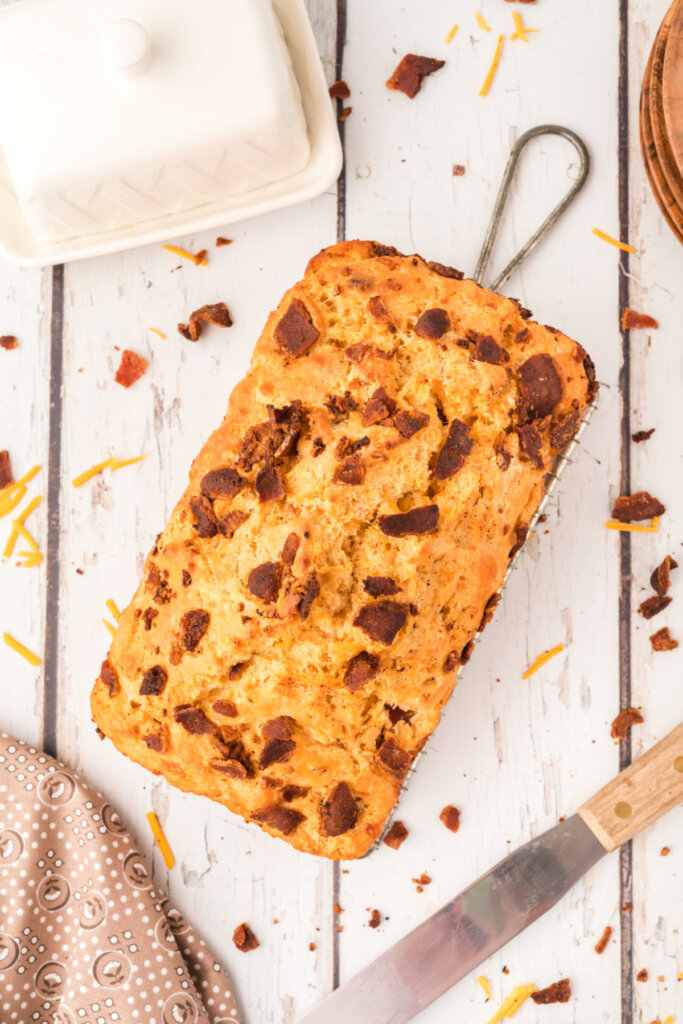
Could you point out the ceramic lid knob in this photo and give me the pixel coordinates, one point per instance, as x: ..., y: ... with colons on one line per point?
x: 124, y: 45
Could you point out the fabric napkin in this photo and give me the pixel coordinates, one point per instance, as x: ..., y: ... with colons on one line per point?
x: 85, y: 935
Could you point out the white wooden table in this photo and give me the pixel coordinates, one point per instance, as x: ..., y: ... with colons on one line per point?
x: 512, y: 755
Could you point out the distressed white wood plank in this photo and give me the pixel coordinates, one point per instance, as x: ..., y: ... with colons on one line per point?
x: 24, y: 414
x: 503, y: 754
x: 656, y: 370
x: 226, y: 872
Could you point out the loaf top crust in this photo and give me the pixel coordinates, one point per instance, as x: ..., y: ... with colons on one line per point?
x: 342, y: 538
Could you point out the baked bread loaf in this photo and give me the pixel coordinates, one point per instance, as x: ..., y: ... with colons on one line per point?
x: 343, y: 536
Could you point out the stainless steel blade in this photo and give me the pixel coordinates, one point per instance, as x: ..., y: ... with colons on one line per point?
x: 448, y: 945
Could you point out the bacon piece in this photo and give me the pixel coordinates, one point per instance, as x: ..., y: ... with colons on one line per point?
x: 226, y: 708
x: 653, y: 606
x: 109, y: 678
x: 295, y: 332
x: 276, y: 750
x: 631, y: 319
x: 380, y: 586
x: 396, y: 835
x: 451, y: 458
x: 207, y: 524
x: 623, y: 722
x: 292, y: 792
x: 432, y: 324
x: 487, y: 350
x: 410, y: 73
x: 270, y: 484
x: 396, y: 759
x: 194, y: 625
x: 231, y: 522
x: 450, y: 817
x: 244, y: 938
x: 264, y: 581
x: 351, y: 471
x: 563, y: 431
x: 416, y: 522
x: 408, y: 423
x: 642, y: 435
x: 379, y: 407
x: 291, y: 546
x: 8, y: 342
x: 377, y: 310
x: 131, y: 368
x: 382, y: 620
x: 193, y: 720
x: 339, y: 811
x: 213, y: 313
x: 541, y: 387
x: 662, y: 640
x: 635, y: 507
x: 530, y: 444
x: 339, y: 90
x: 282, y: 819
x: 360, y: 669
x: 558, y: 992
x: 223, y: 483
x: 153, y: 681
x: 443, y: 271
x: 6, y: 477
x: 660, y: 581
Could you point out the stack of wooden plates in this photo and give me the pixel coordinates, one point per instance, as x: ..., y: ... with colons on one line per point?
x: 661, y: 118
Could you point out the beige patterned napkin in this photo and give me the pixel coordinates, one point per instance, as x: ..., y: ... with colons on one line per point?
x: 85, y: 936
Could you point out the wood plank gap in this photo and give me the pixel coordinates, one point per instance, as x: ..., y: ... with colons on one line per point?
x: 51, y: 649
x: 338, y: 74
x: 341, y: 234
x: 625, y: 563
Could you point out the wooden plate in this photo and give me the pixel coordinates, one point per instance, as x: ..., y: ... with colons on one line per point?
x: 672, y: 87
x: 666, y: 159
x: 660, y: 189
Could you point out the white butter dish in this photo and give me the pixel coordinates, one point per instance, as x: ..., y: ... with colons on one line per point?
x: 124, y: 122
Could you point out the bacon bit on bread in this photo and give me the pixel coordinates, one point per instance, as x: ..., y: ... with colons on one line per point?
x: 131, y: 368
x: 631, y: 319
x: 601, y: 944
x: 410, y: 72
x: 623, y: 722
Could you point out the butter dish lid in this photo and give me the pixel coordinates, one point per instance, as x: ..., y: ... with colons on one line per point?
x: 125, y: 118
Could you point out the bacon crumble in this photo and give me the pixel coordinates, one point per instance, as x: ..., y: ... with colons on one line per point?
x: 382, y: 620
x: 131, y: 368
x: 244, y: 938
x: 623, y: 722
x: 558, y: 992
x: 339, y: 811
x: 631, y: 319
x: 450, y: 817
x: 636, y: 507
x: 6, y: 477
x: 662, y: 640
x: 396, y: 835
x: 432, y: 324
x: 360, y: 669
x: 194, y: 625
x: 660, y: 580
x: 451, y: 458
x: 212, y: 313
x: 295, y: 332
x: 416, y: 522
x: 264, y: 581
x: 153, y: 681
x: 339, y: 90
x: 109, y: 678
x: 410, y: 73
x: 8, y: 342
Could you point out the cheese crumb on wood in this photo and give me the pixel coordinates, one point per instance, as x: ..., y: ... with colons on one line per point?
x: 612, y: 524
x: 162, y: 842
x: 32, y: 658
x: 541, y: 660
x: 624, y: 246
x: 494, y: 67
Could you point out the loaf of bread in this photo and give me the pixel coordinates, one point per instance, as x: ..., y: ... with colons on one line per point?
x: 342, y: 539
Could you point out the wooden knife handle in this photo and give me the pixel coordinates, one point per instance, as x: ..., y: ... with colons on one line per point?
x: 639, y: 795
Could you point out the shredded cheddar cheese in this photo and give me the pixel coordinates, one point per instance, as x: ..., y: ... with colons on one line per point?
x: 31, y: 559
x: 186, y: 255
x: 162, y: 842
x: 155, y: 330
x: 613, y: 241
x: 482, y: 22
x: 521, y: 31
x: 541, y: 660
x: 19, y: 530
x: 494, y: 67
x: 669, y: 1020
x: 512, y: 1004
x: 116, y: 614
x: 32, y: 658
x: 14, y: 494
x: 112, y: 629
x: 486, y: 985
x: 451, y: 35
x: 111, y: 463
x: 611, y: 524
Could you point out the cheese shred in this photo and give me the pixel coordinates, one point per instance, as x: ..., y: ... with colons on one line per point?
x: 494, y: 67
x: 111, y: 463
x: 116, y: 614
x: 611, y: 524
x: 31, y: 559
x: 32, y: 658
x: 521, y: 31
x: 482, y: 22
x: 452, y: 34
x: 541, y: 660
x: 112, y: 629
x: 192, y: 256
x: 669, y: 1020
x: 513, y: 1003
x: 155, y: 330
x: 14, y: 493
x: 486, y: 985
x: 162, y: 842
x: 613, y: 241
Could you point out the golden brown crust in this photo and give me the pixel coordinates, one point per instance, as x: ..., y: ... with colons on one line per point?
x: 303, y: 614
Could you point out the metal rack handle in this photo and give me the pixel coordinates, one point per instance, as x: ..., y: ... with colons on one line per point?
x: 504, y: 191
